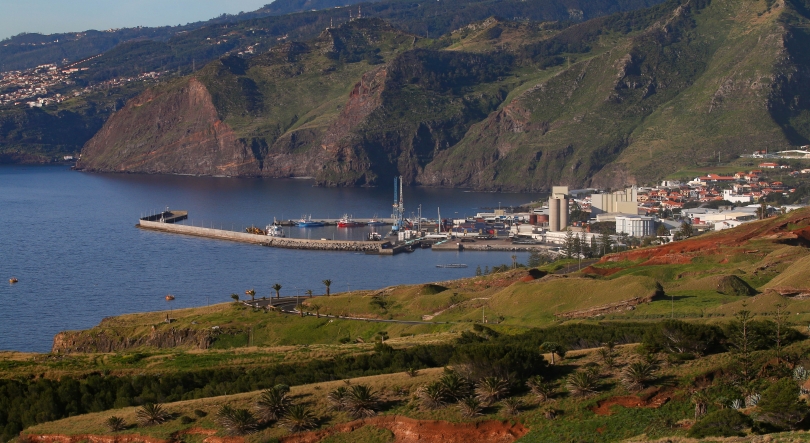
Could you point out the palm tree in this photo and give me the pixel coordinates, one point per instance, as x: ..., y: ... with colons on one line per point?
x: 115, y: 424
x: 491, y: 389
x: 432, y: 395
x: 327, y: 283
x: 235, y: 297
x: 362, y: 401
x: 337, y: 398
x: 309, y: 293
x: 582, y: 383
x: 277, y: 287
x: 540, y: 388
x: 299, y: 418
x: 511, y: 406
x: 317, y: 309
x: 152, y: 414
x: 637, y: 375
x: 701, y: 402
x: 470, y: 407
x: 553, y: 348
x: 237, y: 421
x: 251, y: 293
x: 272, y: 404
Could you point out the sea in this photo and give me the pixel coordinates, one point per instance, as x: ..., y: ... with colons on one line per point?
x: 70, y: 239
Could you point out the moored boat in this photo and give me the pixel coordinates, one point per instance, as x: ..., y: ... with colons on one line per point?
x: 13, y: 280
x: 169, y: 297
x: 274, y: 230
x: 307, y: 222
x: 375, y: 221
x: 348, y: 222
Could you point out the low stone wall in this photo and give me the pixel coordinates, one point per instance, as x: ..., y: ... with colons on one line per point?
x: 244, y: 237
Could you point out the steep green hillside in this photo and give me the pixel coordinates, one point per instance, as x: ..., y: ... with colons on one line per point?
x: 627, y: 98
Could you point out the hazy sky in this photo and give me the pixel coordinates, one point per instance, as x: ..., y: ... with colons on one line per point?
x: 50, y: 16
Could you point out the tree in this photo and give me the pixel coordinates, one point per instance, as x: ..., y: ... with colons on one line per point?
x: 251, y: 293
x: 309, y: 293
x: 637, y: 375
x: 570, y: 243
x: 553, y: 348
x: 115, y: 424
x: 723, y: 423
x: 582, y: 383
x: 277, y: 288
x: 741, y: 338
x: 317, y: 309
x: 686, y: 229
x: 662, y: 230
x: 780, y: 405
x: 491, y: 389
x: 152, y: 414
x: 327, y: 283
x: 362, y: 401
x: 299, y: 418
x: 237, y: 421
x: 478, y: 272
x: 432, y: 395
x: 235, y: 297
x: 605, y: 242
x: 781, y: 319
x: 382, y: 336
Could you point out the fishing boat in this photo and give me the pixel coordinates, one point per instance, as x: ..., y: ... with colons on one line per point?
x: 169, y: 297
x: 307, y: 222
x: 375, y: 221
x: 348, y: 222
x: 452, y: 265
x: 13, y: 280
x: 274, y: 230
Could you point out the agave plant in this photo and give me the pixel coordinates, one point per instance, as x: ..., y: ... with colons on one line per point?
x: 582, y: 383
x: 737, y: 404
x: 432, y: 395
x: 273, y: 404
x: 752, y: 400
x: 237, y: 421
x: 540, y: 388
x: 115, y: 424
x: 470, y: 407
x: 299, y: 418
x: 491, y: 389
x: 511, y: 406
x: 455, y: 386
x: 362, y: 401
x: 637, y: 375
x: 337, y: 398
x: 800, y: 373
x: 152, y: 414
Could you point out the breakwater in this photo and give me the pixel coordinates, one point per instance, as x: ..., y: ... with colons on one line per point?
x: 264, y: 240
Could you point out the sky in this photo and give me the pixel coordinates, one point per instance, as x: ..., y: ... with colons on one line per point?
x: 53, y: 16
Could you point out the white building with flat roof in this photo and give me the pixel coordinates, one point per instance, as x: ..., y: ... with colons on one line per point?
x: 635, y: 225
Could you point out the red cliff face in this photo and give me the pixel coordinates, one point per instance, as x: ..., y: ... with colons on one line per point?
x: 175, y: 132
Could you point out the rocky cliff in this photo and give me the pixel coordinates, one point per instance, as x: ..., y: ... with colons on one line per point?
x: 110, y: 340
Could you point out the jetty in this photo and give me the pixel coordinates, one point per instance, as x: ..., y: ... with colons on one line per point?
x: 166, y: 222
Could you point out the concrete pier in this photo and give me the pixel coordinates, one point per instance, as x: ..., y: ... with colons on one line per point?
x: 264, y: 240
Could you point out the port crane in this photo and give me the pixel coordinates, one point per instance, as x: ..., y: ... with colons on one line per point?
x: 399, y: 207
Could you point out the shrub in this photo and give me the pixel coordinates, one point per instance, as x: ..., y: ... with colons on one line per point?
x: 582, y: 383
x: 432, y: 395
x: 273, y: 404
x: 200, y: 413
x: 362, y: 401
x: 722, y: 423
x: 780, y: 405
x: 493, y: 359
x: 299, y: 418
x: 490, y: 389
x: 637, y: 375
x: 152, y: 414
x: 540, y: 388
x: 115, y: 424
x: 337, y: 398
x: 470, y: 407
x: 186, y: 420
x: 237, y: 421
x: 678, y: 337
x: 511, y: 406
x: 455, y: 386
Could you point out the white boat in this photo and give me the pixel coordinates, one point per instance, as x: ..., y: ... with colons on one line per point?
x: 274, y: 230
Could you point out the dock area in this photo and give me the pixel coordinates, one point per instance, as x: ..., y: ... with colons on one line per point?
x: 264, y: 240
x: 497, y: 244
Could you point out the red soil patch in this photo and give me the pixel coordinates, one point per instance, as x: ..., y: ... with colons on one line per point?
x: 604, y: 272
x: 128, y: 438
x: 681, y: 251
x: 631, y: 401
x: 408, y: 430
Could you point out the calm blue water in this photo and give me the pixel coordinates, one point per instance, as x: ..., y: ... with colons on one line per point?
x: 69, y: 237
